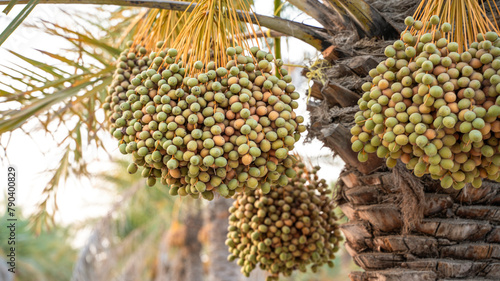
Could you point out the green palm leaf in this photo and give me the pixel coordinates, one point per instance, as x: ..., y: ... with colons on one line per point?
x: 18, y: 19
x: 15, y: 119
x: 49, y: 69
x: 9, y: 6
x: 88, y: 40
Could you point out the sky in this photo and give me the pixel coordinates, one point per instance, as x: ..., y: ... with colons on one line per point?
x: 80, y: 199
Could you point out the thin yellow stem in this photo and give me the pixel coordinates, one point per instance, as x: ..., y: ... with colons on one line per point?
x: 468, y: 18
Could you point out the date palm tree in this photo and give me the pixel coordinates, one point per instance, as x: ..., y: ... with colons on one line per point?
x: 434, y: 234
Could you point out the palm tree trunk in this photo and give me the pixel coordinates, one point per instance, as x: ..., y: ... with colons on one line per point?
x: 163, y: 259
x: 220, y: 269
x: 459, y: 236
x: 183, y: 261
x: 192, y: 261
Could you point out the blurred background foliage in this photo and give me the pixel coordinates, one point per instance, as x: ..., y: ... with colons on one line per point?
x: 37, y: 255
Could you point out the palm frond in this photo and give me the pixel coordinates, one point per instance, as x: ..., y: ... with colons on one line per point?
x: 18, y: 19
x: 88, y: 40
x: 63, y: 94
x: 33, y: 75
x: 12, y: 120
x: 65, y: 60
x: 9, y: 7
x: 47, y: 68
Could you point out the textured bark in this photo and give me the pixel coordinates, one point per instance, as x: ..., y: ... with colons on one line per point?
x: 338, y: 138
x: 344, y: 97
x: 457, y: 238
x: 367, y: 20
x: 322, y: 13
